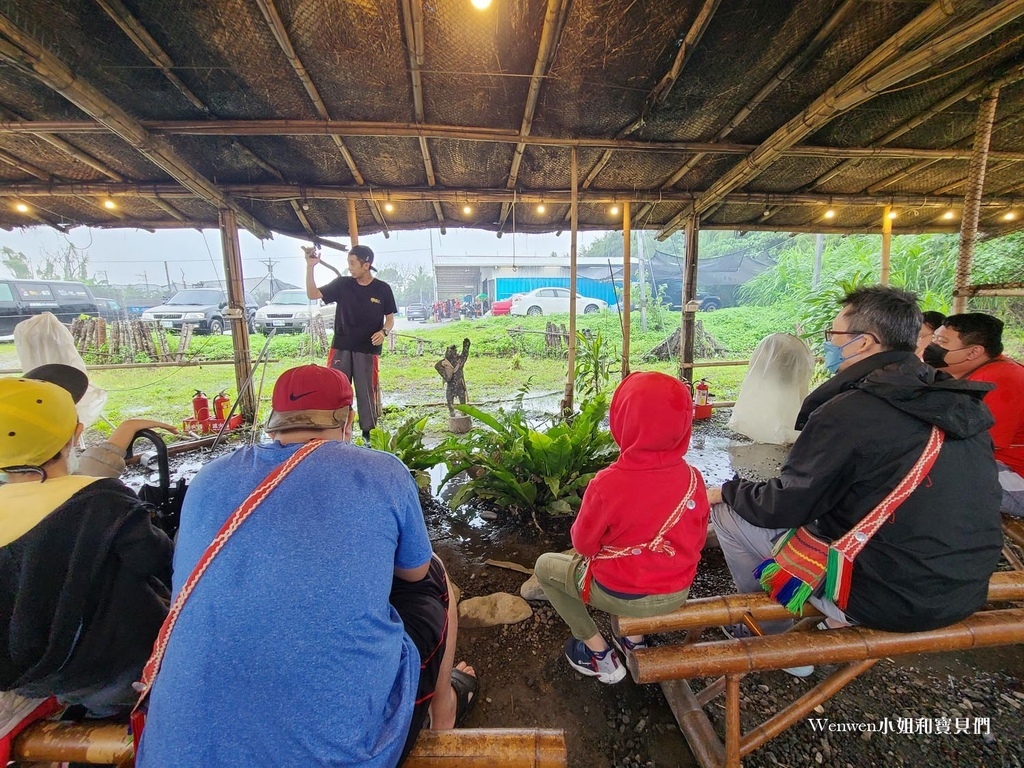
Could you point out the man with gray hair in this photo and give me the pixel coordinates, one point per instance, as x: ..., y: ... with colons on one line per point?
x: 861, y: 432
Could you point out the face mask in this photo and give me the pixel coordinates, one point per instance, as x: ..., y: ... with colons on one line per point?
x: 935, y: 356
x: 834, y: 354
x: 73, y: 462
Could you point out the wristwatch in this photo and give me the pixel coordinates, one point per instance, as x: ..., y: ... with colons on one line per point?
x: 385, y: 330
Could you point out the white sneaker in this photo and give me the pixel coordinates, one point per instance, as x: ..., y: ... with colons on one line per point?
x: 606, y: 667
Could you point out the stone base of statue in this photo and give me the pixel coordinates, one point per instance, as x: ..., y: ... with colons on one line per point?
x: 459, y: 423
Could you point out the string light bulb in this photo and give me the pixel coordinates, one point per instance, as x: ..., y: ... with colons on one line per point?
x: 21, y: 208
x: 614, y: 210
x: 767, y: 212
x: 1009, y: 216
x: 481, y: 5
x: 541, y: 208
x: 109, y: 204
x: 389, y: 207
x: 893, y: 214
x: 830, y: 214
x: 948, y: 215
x: 467, y: 209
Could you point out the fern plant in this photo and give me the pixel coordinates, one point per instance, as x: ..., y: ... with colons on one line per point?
x: 521, y: 469
x: 407, y: 444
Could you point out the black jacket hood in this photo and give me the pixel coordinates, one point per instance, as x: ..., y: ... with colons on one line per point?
x: 953, y: 405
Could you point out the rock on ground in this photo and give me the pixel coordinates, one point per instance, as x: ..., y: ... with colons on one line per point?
x: 493, y: 610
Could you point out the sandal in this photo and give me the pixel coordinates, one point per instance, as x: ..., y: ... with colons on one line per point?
x: 466, y: 687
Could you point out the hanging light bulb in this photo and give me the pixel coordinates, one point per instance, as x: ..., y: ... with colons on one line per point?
x: 467, y: 209
x: 948, y: 215
x: 830, y: 214
x: 614, y: 210
x: 481, y: 5
x: 767, y: 212
x: 389, y: 207
x: 893, y: 214
x: 109, y: 204
x: 21, y: 208
x: 1009, y: 216
x: 541, y: 208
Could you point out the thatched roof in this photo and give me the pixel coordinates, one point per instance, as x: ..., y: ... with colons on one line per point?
x: 755, y: 114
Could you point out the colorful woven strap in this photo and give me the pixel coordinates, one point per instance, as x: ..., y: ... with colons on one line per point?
x: 852, y: 542
x: 239, y: 516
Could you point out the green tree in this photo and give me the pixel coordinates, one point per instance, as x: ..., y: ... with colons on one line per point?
x: 17, y: 263
x: 420, y: 286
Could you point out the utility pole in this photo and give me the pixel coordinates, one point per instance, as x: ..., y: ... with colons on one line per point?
x: 145, y: 279
x: 269, y: 264
x: 167, y: 273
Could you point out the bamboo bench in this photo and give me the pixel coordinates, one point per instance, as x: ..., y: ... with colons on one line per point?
x: 857, y: 648
x: 109, y: 743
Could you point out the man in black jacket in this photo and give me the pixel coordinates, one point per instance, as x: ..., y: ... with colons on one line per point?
x: 84, y: 576
x: 861, y: 432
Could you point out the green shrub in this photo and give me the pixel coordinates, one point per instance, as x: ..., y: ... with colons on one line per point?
x: 407, y: 445
x: 520, y: 469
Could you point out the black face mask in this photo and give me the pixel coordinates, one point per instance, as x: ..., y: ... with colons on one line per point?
x: 935, y: 356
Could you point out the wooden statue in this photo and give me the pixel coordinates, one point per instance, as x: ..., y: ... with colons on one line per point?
x: 451, y: 370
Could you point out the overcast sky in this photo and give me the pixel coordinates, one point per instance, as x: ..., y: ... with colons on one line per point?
x: 126, y: 255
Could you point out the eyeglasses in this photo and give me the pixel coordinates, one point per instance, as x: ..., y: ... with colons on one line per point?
x: 830, y: 333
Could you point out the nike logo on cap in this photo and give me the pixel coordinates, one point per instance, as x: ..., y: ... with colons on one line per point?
x: 293, y: 398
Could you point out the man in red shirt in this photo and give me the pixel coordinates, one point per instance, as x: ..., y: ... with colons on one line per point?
x: 970, y: 346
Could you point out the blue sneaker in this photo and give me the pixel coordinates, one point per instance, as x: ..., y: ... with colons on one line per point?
x: 605, y: 666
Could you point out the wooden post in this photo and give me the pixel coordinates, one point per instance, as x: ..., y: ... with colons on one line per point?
x: 626, y: 289
x: 732, y: 721
x: 689, y: 296
x: 972, y: 199
x: 239, y: 319
x: 570, y: 380
x: 886, y: 244
x: 353, y: 222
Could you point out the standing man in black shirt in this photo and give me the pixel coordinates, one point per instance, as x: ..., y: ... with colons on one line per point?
x: 364, y: 318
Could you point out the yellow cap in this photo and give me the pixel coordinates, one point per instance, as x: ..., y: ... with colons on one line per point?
x: 37, y: 419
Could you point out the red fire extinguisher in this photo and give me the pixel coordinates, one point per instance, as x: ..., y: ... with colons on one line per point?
x: 701, y: 397
x: 201, y: 406
x: 220, y: 406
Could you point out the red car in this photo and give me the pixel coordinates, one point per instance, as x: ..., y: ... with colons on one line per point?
x: 502, y: 307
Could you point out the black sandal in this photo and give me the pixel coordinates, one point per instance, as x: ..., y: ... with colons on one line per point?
x: 467, y: 689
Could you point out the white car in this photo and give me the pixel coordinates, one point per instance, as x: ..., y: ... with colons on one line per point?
x: 549, y: 301
x: 290, y: 312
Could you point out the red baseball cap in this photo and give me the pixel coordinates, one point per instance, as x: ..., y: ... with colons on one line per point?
x: 310, y: 397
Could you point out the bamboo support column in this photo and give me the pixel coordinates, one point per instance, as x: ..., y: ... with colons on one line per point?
x: 239, y: 319
x: 886, y: 244
x: 689, y: 297
x: 570, y: 380
x: 626, y: 288
x: 732, y: 721
x: 353, y: 222
x: 972, y: 198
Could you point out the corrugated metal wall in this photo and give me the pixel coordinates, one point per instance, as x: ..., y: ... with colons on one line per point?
x: 506, y: 286
x: 456, y: 282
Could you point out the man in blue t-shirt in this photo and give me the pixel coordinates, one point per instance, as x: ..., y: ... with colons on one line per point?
x: 364, y: 318
x: 324, y: 630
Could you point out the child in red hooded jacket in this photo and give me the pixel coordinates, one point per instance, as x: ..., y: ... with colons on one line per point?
x: 640, y: 530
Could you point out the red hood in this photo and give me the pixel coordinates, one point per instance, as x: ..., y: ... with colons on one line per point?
x: 651, y: 419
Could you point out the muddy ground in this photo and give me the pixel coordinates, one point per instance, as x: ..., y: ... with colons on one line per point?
x: 525, y: 681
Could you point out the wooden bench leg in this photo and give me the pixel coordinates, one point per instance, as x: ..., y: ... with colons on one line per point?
x: 733, y: 727
x: 693, y: 722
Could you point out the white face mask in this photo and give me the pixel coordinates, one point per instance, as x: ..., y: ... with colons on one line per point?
x: 73, y: 461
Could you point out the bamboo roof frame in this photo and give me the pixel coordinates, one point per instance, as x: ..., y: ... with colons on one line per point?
x: 920, y: 42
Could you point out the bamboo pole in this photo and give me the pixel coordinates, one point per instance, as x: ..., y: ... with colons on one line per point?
x: 799, y: 709
x: 689, y: 299
x: 626, y: 288
x: 57, y: 76
x: 353, y: 223
x: 239, y: 320
x: 972, y: 199
x: 301, y: 193
x: 689, y: 714
x: 103, y: 743
x: 732, y: 721
x: 992, y: 289
x: 570, y: 380
x: 886, y: 244
x: 731, y: 609
x: 862, y: 83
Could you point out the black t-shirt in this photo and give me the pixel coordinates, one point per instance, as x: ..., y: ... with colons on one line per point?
x: 361, y: 312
